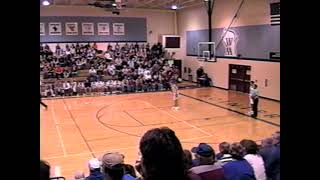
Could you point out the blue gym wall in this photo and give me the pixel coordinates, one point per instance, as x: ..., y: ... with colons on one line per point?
x: 255, y: 41
x: 135, y: 29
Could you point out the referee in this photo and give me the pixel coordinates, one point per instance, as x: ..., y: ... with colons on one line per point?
x: 255, y: 99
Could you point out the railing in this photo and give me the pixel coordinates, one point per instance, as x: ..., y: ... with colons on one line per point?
x: 58, y: 178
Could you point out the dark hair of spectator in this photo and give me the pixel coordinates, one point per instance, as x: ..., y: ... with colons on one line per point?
x: 162, y: 155
x: 237, y: 151
x: 44, y: 170
x: 129, y: 169
x: 188, y: 158
x: 116, y: 172
x: 224, y: 148
x: 250, y: 146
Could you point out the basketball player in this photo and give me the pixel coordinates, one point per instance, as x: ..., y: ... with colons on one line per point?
x: 175, y: 92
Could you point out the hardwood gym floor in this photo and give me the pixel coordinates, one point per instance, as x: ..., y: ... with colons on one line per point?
x: 73, y: 130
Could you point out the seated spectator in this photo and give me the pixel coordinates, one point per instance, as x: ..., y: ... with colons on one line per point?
x: 204, y: 80
x: 265, y: 143
x: 58, y: 88
x: 74, y: 71
x: 81, y: 88
x: 129, y: 169
x: 87, y: 85
x: 207, y: 168
x: 44, y: 170
x: 162, y: 155
x: 92, y: 72
x: 255, y: 160
x: 49, y: 90
x: 74, y: 87
x: 147, y: 74
x: 114, y: 168
x: 200, y: 73
x: 67, y: 88
x: 59, y: 71
x: 95, y: 170
x: 188, y: 159
x: 238, y: 168
x: 95, y: 46
x: 224, y: 156
x: 66, y: 74
x: 271, y: 157
x: 117, y: 47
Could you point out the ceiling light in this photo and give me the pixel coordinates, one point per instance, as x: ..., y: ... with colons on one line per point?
x: 45, y: 3
x: 114, y: 4
x: 174, y: 7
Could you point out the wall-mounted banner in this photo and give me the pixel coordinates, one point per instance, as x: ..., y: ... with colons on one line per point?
x: 103, y: 29
x: 42, y: 29
x: 55, y: 28
x: 87, y: 29
x: 118, y: 29
x: 72, y: 28
x: 230, y: 41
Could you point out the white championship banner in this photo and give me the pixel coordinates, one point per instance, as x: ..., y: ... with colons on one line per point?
x: 42, y: 29
x: 55, y: 29
x: 118, y: 29
x: 72, y: 28
x: 103, y: 29
x: 87, y: 29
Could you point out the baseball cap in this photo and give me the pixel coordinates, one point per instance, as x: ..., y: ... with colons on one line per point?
x: 203, y: 149
x: 112, y: 159
x: 94, y: 163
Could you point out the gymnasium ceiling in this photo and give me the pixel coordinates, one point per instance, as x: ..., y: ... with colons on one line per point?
x: 146, y: 4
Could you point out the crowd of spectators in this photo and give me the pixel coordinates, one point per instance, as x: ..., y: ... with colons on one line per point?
x: 161, y: 157
x: 130, y: 68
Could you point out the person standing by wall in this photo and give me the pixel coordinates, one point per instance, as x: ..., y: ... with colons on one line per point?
x: 255, y: 99
x: 250, y: 99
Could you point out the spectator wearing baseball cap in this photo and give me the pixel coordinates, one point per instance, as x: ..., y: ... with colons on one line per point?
x: 208, y: 168
x: 114, y: 167
x: 95, y: 170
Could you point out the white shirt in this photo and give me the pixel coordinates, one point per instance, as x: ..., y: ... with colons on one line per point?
x: 74, y: 86
x: 140, y: 71
x: 92, y: 71
x: 66, y: 86
x: 250, y: 94
x: 73, y: 50
x: 257, y: 164
x: 81, y: 85
x: 93, y: 84
x: 131, y: 63
x: 147, y: 74
x: 255, y: 93
x: 107, y: 56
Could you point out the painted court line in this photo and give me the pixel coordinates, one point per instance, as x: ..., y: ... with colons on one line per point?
x: 205, y: 132
x: 111, y: 150
x: 57, y: 128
